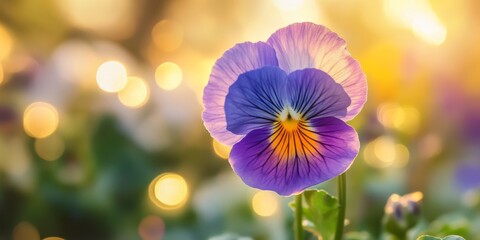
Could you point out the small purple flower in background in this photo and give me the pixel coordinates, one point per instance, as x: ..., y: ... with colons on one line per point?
x: 283, y: 104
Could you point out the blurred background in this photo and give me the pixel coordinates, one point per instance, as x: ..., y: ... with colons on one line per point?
x: 101, y: 134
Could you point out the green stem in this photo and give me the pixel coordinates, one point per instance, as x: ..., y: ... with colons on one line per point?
x: 298, y: 217
x: 342, y: 196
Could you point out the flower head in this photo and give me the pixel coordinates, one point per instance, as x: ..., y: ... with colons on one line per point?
x: 282, y: 105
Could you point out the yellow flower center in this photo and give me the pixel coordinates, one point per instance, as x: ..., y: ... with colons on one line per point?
x: 292, y: 136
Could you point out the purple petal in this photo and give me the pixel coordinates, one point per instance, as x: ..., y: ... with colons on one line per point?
x: 314, y: 94
x: 255, y: 100
x: 307, y: 45
x: 272, y: 158
x: 241, y: 58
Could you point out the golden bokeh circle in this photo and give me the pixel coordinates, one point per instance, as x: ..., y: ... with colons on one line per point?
x: 168, y: 191
x: 111, y: 76
x: 168, y: 75
x: 135, y: 93
x: 40, y: 120
x: 264, y: 203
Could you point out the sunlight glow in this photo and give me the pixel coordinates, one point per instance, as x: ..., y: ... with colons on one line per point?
x: 429, y: 29
x: 40, y: 120
x: 419, y: 16
x: 264, y: 203
x: 169, y: 191
x: 135, y: 93
x: 111, y: 76
x: 168, y: 75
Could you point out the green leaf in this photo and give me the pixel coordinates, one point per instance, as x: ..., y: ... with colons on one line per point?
x: 320, y: 212
x: 451, y: 237
x: 451, y: 224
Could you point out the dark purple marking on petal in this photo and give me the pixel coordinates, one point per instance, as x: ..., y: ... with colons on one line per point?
x: 314, y: 94
x: 255, y: 100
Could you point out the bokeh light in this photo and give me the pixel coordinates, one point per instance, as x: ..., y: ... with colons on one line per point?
x: 168, y: 191
x: 50, y: 148
x: 265, y: 203
x: 394, y: 116
x: 390, y: 115
x: 111, y: 76
x: 53, y: 238
x: 167, y: 35
x: 168, y: 75
x: 151, y: 228
x: 220, y: 149
x: 135, y: 93
x: 6, y: 43
x: 25, y: 231
x: 40, y: 119
x: 385, y: 152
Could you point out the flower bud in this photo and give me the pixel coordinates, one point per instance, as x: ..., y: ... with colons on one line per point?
x: 402, y: 213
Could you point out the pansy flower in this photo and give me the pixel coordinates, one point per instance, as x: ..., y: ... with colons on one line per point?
x: 282, y: 106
